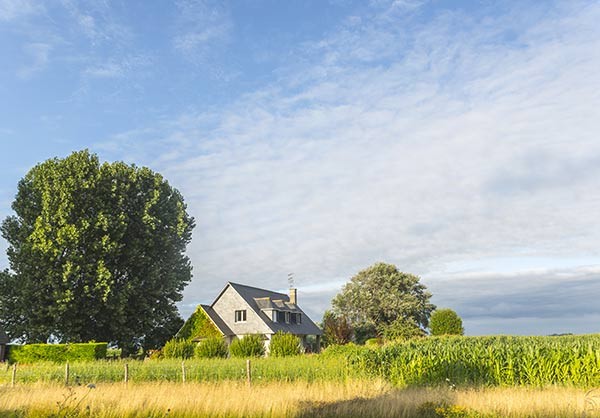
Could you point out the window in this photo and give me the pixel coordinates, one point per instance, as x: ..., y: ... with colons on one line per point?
x: 240, y: 316
x: 287, y: 317
x: 280, y: 316
x: 296, y: 318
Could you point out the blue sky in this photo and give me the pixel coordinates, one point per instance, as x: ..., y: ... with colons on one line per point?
x: 457, y: 140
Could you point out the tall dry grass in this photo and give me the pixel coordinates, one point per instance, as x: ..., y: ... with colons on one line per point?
x: 374, y: 398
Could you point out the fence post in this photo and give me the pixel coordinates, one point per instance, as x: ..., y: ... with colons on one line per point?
x: 67, y: 374
x: 126, y: 372
x: 13, y: 380
x: 248, y: 373
x: 183, y: 371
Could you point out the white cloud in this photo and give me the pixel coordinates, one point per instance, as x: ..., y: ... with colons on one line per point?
x: 414, y: 144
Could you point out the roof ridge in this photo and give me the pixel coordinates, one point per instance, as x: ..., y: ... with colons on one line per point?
x: 257, y: 288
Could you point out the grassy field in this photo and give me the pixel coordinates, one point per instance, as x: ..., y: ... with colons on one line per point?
x: 431, y: 377
x: 353, y: 398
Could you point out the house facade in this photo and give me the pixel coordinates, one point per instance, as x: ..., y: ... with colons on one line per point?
x: 242, y: 310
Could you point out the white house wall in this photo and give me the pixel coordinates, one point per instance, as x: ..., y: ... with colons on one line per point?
x: 229, y: 302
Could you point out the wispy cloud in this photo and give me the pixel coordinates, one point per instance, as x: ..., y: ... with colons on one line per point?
x: 202, y: 26
x: 38, y: 56
x: 417, y: 144
x: 14, y: 9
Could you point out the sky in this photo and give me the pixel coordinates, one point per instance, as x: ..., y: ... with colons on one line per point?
x: 458, y: 140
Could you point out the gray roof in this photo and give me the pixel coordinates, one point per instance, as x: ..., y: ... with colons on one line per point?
x: 216, y: 319
x: 259, y: 299
x: 3, y: 337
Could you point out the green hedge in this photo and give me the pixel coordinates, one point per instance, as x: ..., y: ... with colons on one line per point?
x: 60, y: 353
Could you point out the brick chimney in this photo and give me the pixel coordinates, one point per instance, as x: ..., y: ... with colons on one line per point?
x: 294, y: 296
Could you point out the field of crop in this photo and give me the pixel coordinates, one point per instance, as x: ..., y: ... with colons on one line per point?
x: 430, y: 377
x: 462, y: 361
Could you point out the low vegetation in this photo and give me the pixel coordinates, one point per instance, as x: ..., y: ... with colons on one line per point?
x: 249, y: 346
x: 360, y: 398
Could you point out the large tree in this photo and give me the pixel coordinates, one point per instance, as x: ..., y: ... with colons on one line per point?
x: 97, y: 252
x: 381, y: 297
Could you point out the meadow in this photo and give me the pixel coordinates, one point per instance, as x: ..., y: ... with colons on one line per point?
x: 430, y: 377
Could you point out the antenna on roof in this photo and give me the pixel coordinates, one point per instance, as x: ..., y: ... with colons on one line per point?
x: 291, y: 280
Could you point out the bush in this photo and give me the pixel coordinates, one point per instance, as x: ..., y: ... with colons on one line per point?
x: 446, y: 322
x: 59, y: 353
x: 284, y: 344
x: 211, y: 348
x: 179, y: 349
x: 250, y: 346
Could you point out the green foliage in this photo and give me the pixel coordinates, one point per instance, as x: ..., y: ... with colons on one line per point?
x: 179, y: 349
x: 198, y: 326
x: 379, y: 295
x: 97, y: 252
x: 402, y: 329
x: 313, y: 368
x: 446, y: 322
x: 495, y: 361
x: 212, y: 347
x: 373, y: 342
x: 249, y: 346
x: 285, y: 344
x: 60, y: 353
x: 336, y: 329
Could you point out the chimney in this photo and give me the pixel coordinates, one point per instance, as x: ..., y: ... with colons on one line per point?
x: 294, y: 296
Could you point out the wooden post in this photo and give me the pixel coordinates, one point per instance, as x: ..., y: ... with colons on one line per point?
x: 248, y: 373
x: 13, y: 380
x: 126, y: 372
x: 67, y: 374
x: 183, y: 371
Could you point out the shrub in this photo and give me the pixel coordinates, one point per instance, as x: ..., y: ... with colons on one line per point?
x: 59, y: 353
x: 179, y: 349
x: 249, y: 346
x: 211, y: 348
x: 446, y: 322
x: 284, y: 344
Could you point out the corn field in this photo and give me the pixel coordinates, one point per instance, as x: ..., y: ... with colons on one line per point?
x: 432, y: 361
x: 491, y: 361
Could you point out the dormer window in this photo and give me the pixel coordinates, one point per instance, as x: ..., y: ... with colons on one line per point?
x: 287, y: 317
x: 240, y: 316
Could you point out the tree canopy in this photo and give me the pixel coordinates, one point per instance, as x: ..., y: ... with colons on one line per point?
x: 97, y: 252
x: 381, y: 296
x: 446, y: 322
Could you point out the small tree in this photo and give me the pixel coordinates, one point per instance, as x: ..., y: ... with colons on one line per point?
x: 212, y: 348
x: 250, y: 346
x: 336, y: 329
x: 446, y: 322
x: 284, y: 344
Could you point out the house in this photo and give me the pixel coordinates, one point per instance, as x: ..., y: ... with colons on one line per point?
x: 3, y: 342
x: 242, y: 310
